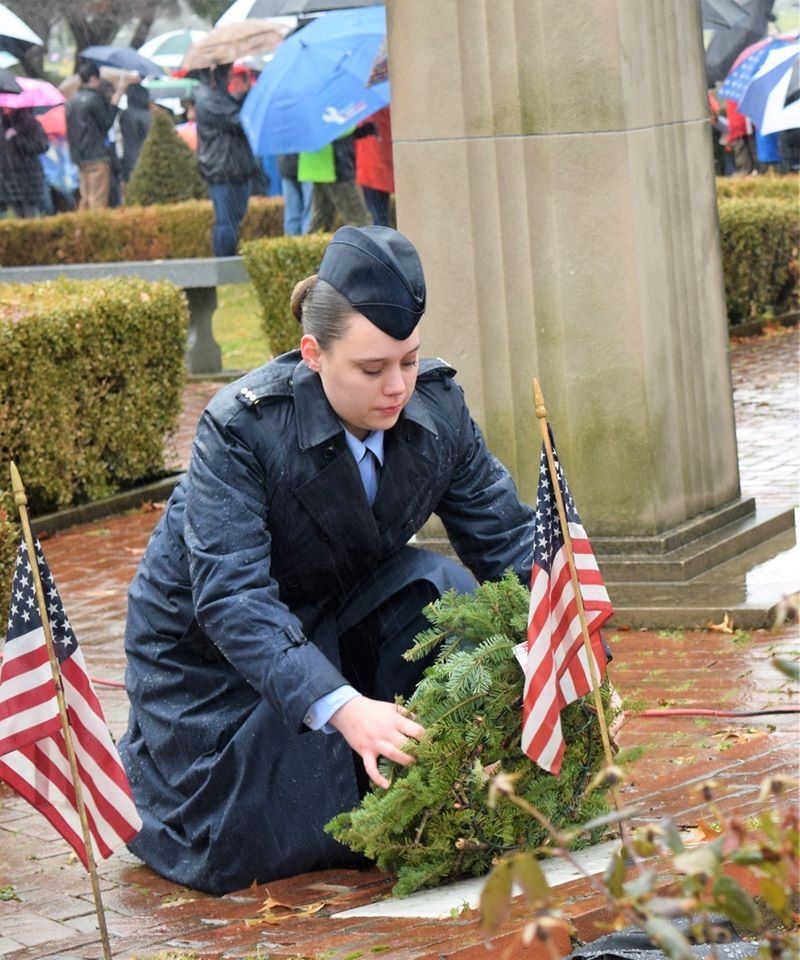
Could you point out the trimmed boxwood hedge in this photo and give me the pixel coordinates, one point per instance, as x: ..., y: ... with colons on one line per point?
x: 275, y: 266
x: 784, y: 188
x: 169, y: 231
x: 760, y: 239
x: 91, y: 377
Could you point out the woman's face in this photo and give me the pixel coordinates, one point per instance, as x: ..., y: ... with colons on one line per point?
x: 368, y: 376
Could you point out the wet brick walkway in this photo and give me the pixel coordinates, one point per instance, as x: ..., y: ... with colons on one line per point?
x: 149, y: 917
x: 766, y: 392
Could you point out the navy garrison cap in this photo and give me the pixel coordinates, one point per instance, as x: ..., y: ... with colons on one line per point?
x: 379, y: 272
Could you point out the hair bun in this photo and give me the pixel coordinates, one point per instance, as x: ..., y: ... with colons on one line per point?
x: 299, y: 294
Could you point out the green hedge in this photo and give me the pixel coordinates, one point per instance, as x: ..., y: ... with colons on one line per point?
x: 785, y: 188
x: 760, y: 242
x: 275, y: 266
x: 128, y: 233
x: 91, y: 377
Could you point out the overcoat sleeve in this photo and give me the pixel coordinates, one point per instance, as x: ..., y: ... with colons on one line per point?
x: 490, y: 528
x: 235, y: 598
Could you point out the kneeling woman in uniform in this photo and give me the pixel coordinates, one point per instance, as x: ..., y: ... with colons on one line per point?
x: 269, y: 614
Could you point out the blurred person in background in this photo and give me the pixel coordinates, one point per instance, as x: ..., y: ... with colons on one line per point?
x: 224, y: 157
x: 740, y: 141
x: 112, y: 149
x: 90, y: 115
x: 22, y: 141
x: 296, y: 197
x: 187, y: 130
x: 375, y: 168
x: 768, y: 152
x: 789, y: 144
x: 241, y: 80
x: 332, y: 170
x: 134, y: 125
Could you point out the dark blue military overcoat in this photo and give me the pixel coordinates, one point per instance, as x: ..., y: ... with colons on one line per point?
x: 267, y: 550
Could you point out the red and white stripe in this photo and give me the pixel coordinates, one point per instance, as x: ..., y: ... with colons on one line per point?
x: 557, y: 669
x: 33, y: 753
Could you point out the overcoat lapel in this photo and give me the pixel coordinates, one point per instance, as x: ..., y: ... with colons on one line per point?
x: 334, y: 495
x: 406, y: 479
x: 336, y: 500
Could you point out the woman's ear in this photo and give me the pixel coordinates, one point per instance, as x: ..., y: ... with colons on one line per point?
x: 310, y: 351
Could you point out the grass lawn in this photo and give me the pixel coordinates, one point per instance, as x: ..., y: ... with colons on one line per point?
x: 237, y: 328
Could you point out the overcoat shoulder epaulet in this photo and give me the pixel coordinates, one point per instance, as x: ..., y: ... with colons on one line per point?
x: 270, y: 382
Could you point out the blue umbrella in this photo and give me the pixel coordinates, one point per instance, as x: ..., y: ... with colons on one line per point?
x: 315, y: 87
x: 123, y: 58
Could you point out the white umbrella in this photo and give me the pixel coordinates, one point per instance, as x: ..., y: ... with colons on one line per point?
x: 168, y: 49
x: 771, y: 99
x: 247, y: 10
x: 15, y: 35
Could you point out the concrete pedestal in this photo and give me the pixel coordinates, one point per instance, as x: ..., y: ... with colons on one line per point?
x: 553, y: 165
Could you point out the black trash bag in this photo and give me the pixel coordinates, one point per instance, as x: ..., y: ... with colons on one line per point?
x: 633, y: 944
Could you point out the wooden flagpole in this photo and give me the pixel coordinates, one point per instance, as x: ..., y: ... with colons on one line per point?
x: 541, y: 413
x: 21, y: 500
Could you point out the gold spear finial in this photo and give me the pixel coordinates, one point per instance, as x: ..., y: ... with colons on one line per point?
x: 20, y: 497
x: 538, y: 400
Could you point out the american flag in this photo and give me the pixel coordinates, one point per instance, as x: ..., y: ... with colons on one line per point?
x: 556, y: 667
x: 33, y: 753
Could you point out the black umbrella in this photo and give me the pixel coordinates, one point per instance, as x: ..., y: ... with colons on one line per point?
x: 720, y: 14
x: 726, y: 45
x: 122, y: 58
x: 8, y: 82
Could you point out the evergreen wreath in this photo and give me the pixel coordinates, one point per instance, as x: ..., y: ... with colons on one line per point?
x: 434, y: 823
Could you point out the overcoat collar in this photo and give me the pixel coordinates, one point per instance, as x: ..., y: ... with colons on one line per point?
x: 316, y: 420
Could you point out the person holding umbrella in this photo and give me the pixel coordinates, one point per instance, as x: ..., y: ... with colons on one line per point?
x: 269, y: 615
x: 224, y: 157
x: 89, y: 118
x: 21, y: 172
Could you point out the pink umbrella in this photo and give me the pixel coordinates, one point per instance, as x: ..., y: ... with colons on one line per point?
x: 35, y: 93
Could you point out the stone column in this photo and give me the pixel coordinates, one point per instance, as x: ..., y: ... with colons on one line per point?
x: 553, y: 165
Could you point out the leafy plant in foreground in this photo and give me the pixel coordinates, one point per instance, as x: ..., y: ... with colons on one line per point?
x: 709, y: 879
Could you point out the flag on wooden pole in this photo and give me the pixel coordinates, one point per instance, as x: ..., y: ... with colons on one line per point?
x: 33, y: 753
x: 557, y: 670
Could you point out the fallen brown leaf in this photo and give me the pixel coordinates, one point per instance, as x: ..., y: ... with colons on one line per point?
x: 293, y: 913
x: 275, y: 911
x: 725, y: 627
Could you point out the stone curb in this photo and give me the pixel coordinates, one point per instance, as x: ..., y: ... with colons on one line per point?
x: 754, y: 327
x: 108, y: 507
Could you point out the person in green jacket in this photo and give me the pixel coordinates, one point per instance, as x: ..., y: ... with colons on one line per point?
x: 332, y: 170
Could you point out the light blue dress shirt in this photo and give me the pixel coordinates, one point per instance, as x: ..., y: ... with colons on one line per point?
x: 368, y: 455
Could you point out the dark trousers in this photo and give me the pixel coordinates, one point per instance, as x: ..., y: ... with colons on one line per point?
x: 230, y: 206
x: 344, y: 198
x: 377, y: 202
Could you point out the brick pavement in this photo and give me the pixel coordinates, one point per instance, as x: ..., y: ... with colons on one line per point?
x: 765, y: 372
x: 147, y: 915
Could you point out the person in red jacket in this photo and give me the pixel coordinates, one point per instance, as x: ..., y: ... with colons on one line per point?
x: 740, y: 140
x: 374, y: 167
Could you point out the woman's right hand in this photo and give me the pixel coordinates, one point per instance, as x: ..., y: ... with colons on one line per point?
x: 375, y: 728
